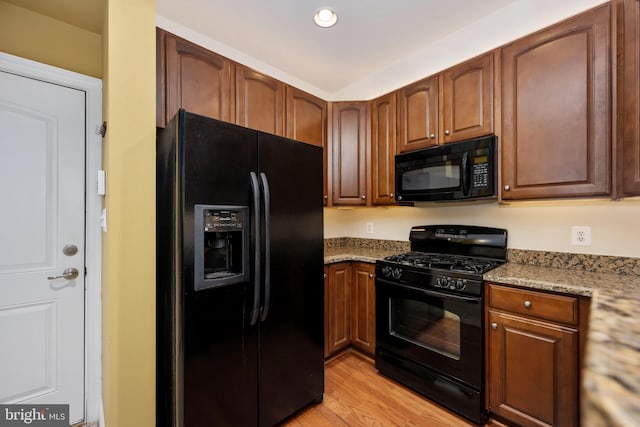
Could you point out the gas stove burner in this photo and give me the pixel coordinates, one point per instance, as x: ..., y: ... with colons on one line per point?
x: 443, y: 262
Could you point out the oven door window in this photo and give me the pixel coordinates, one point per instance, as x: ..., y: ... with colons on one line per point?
x: 426, y: 323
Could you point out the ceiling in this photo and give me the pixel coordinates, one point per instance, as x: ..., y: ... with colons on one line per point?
x: 369, y: 36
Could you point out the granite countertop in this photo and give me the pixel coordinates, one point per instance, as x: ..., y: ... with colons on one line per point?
x: 611, y: 376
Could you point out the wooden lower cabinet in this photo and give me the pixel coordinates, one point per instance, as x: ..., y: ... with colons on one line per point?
x: 338, y: 308
x: 363, y: 316
x: 349, y: 307
x: 533, y: 360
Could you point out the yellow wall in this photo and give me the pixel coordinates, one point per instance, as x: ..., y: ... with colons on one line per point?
x: 37, y: 37
x: 128, y: 285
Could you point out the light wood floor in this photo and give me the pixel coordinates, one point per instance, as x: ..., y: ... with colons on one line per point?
x: 356, y: 394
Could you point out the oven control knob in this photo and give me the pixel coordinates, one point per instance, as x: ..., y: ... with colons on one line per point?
x: 386, y: 271
x: 396, y: 273
x: 460, y: 284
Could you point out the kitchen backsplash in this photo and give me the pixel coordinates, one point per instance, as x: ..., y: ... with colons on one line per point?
x: 583, y: 262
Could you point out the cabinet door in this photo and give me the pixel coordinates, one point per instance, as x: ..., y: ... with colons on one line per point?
x: 629, y: 99
x: 383, y: 149
x: 349, y: 153
x: 418, y: 115
x: 327, y: 311
x: 533, y: 371
x: 307, y: 122
x: 466, y: 99
x: 192, y: 78
x: 259, y: 101
x: 338, y: 334
x: 556, y: 110
x: 363, y: 332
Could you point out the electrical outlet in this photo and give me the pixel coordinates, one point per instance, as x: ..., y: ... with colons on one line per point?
x: 369, y: 227
x: 581, y: 236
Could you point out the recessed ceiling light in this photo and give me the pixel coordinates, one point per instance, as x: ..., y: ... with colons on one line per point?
x: 325, y: 17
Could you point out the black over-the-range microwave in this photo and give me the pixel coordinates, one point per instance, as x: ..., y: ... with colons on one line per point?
x: 462, y: 170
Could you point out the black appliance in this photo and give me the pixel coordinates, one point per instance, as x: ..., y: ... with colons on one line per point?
x: 239, y: 275
x: 463, y: 170
x: 429, y: 314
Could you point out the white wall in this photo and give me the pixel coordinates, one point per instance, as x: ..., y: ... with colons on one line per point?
x: 546, y: 226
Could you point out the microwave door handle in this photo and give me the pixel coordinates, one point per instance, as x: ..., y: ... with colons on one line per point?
x: 466, y: 174
x: 255, y: 190
x: 264, y: 311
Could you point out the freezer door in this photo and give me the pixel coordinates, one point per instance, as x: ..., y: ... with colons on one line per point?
x: 220, y: 346
x: 291, y: 373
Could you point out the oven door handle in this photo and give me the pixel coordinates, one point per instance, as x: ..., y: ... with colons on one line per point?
x: 472, y: 300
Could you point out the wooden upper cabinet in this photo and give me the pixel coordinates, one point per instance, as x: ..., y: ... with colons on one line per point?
x: 348, y: 171
x: 383, y: 149
x: 259, y: 101
x: 307, y: 122
x: 628, y: 167
x: 466, y: 97
x: 192, y: 78
x: 418, y: 115
x: 556, y: 110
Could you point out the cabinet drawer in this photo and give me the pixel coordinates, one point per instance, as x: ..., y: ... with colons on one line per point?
x: 557, y: 308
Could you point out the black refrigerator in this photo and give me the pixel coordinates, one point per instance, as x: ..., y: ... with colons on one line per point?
x: 239, y: 275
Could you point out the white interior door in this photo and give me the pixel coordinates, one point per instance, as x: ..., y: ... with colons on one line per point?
x: 42, y: 204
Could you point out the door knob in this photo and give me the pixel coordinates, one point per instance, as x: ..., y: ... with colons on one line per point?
x: 68, y: 273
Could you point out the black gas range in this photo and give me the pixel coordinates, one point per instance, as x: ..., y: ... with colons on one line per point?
x: 429, y: 313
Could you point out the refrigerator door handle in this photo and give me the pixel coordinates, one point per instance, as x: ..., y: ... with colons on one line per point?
x: 264, y: 182
x: 255, y: 189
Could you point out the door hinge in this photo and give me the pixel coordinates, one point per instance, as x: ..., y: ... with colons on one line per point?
x: 102, y: 130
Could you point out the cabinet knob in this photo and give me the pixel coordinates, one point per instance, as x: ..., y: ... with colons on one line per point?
x: 370, y: 276
x: 494, y: 326
x: 528, y: 304
x: 433, y: 135
x: 363, y: 197
x: 507, y: 188
x: 446, y: 132
x: 326, y: 197
x: 324, y: 276
x: 391, y: 195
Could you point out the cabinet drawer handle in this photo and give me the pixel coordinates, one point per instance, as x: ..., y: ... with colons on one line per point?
x: 528, y: 304
x: 494, y: 326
